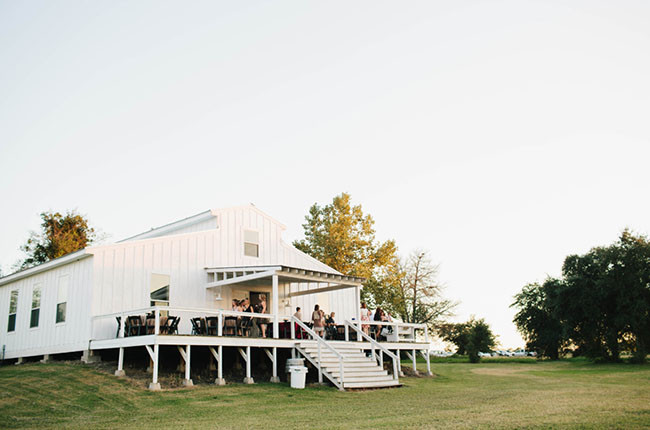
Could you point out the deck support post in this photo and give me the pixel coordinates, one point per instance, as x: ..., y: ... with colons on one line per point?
x: 120, y: 364
x: 275, y: 307
x: 89, y: 356
x: 399, y: 363
x: 20, y: 360
x: 415, y: 368
x: 425, y: 354
x: 186, y: 357
x: 293, y: 352
x: 273, y: 356
x: 320, y: 365
x: 218, y: 356
x: 247, y: 356
x: 46, y: 358
x: 155, y: 385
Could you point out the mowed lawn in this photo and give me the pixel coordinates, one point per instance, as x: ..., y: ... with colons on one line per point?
x: 567, y: 394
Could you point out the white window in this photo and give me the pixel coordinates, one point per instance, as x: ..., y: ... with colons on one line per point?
x: 251, y: 243
x: 36, y: 306
x: 62, y: 299
x: 13, y: 308
x: 159, y: 290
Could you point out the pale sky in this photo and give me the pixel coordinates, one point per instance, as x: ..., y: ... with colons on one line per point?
x: 501, y: 136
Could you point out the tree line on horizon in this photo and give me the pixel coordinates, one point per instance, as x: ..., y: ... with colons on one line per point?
x: 598, y: 308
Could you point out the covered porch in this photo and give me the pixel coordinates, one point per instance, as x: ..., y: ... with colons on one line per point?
x: 286, y: 287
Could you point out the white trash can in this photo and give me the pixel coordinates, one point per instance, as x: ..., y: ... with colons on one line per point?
x: 294, y: 362
x: 297, y: 376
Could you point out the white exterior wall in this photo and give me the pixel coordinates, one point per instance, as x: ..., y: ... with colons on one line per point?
x: 117, y: 278
x: 122, y: 272
x: 48, y: 337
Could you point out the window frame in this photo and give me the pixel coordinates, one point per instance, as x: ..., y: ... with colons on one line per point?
x: 37, y: 287
x: 248, y: 242
x: 62, y: 301
x: 13, y: 303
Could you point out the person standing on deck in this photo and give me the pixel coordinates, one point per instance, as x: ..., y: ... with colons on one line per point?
x: 318, y: 321
x: 263, y: 311
x: 298, y: 314
x: 365, y: 316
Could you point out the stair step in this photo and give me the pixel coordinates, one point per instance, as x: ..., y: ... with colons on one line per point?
x: 377, y: 384
x: 353, y: 373
x: 346, y: 365
x: 353, y: 379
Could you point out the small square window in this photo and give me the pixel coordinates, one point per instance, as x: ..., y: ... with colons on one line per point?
x: 12, y: 323
x: 251, y: 243
x: 60, y: 312
x: 251, y: 249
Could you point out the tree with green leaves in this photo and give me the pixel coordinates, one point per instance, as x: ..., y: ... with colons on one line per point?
x: 340, y: 235
x: 537, y: 318
x: 60, y: 234
x: 600, y: 306
x: 343, y: 237
x: 470, y: 337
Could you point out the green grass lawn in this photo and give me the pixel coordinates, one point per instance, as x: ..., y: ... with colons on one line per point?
x: 500, y: 394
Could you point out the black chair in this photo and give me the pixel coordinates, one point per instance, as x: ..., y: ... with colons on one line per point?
x: 134, y: 326
x: 212, y: 324
x: 230, y: 326
x: 119, y: 320
x: 340, y: 332
x: 198, y: 326
x: 246, y: 326
x: 171, y: 325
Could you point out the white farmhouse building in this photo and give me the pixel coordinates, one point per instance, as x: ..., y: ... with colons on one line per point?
x: 173, y: 287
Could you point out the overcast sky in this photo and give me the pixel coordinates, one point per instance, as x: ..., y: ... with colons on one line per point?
x: 501, y: 136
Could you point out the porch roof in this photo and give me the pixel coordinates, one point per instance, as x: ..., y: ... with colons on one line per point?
x: 224, y: 276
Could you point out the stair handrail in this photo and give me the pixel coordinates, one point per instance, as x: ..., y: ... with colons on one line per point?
x: 379, y: 346
x: 319, y: 340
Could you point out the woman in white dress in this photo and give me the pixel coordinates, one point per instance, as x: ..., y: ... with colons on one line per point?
x: 365, y: 316
x: 318, y: 319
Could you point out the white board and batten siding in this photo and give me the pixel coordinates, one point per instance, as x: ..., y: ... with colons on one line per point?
x: 122, y: 271
x: 117, y: 278
x: 49, y: 337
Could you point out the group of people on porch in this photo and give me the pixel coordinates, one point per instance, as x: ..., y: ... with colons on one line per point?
x: 325, y: 325
x: 244, y: 323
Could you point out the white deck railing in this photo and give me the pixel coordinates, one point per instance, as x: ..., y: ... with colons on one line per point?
x: 374, y: 344
x: 105, y: 326
x: 401, y: 331
x: 320, y: 341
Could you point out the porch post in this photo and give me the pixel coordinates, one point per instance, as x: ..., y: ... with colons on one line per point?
x: 220, y: 380
x: 428, y: 362
x: 275, y: 306
x: 187, y: 382
x: 357, y: 311
x: 275, y: 377
x: 155, y: 385
x: 415, y: 368
x: 399, y: 362
x: 120, y: 363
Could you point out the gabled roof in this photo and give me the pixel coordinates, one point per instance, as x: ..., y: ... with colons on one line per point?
x: 69, y: 258
x: 159, y: 231
x: 195, y: 219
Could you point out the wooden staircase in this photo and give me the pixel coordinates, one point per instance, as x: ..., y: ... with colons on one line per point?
x: 359, y: 370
